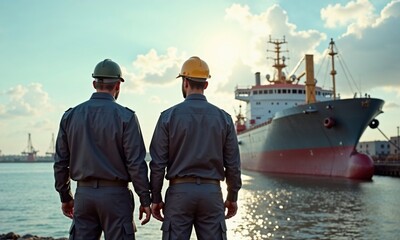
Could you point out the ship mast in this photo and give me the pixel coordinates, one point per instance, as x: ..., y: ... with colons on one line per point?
x: 332, y: 53
x: 279, y: 61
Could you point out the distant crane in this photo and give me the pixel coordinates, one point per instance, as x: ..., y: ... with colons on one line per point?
x: 52, y: 149
x: 30, y: 151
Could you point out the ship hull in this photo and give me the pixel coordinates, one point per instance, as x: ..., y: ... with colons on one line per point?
x: 313, y: 139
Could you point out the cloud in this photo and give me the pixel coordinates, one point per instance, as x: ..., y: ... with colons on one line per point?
x: 374, y: 58
x: 153, y: 69
x: 29, y: 100
x: 392, y: 105
x: 157, y: 100
x: 271, y: 24
x: 389, y: 11
x: 248, y: 21
x: 367, y: 51
x: 356, y: 15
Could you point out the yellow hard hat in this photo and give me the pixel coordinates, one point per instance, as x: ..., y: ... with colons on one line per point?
x: 195, y: 69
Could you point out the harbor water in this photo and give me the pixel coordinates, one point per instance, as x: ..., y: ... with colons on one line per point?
x: 270, y: 206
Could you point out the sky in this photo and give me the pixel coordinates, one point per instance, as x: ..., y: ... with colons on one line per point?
x: 48, y: 50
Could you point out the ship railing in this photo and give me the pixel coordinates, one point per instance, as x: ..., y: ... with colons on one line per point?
x: 252, y: 127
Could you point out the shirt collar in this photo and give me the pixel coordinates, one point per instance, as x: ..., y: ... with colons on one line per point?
x: 102, y: 95
x: 196, y: 96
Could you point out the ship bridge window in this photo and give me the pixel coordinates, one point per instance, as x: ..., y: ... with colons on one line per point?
x: 279, y: 91
x: 243, y: 94
x: 260, y: 92
x: 258, y: 103
x: 294, y: 90
x: 265, y: 91
x: 270, y: 91
x: 318, y: 93
x: 255, y: 92
x: 283, y: 90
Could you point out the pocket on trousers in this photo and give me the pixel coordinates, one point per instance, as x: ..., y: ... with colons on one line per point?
x: 166, y: 227
x: 129, y: 231
x: 72, y: 231
x: 223, y: 230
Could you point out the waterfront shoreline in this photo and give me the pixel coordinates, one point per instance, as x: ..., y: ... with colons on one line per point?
x: 15, y: 236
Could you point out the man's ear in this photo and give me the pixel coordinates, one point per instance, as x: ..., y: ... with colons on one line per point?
x: 186, y: 83
x: 117, y: 86
x: 206, y: 85
x: 94, y: 84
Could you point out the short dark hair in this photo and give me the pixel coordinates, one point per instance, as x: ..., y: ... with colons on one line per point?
x: 104, y: 86
x: 195, y: 84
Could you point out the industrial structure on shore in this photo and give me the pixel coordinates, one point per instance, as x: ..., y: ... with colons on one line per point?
x: 29, y: 154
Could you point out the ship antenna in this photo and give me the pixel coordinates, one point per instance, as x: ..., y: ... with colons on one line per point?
x: 332, y: 53
x: 279, y: 61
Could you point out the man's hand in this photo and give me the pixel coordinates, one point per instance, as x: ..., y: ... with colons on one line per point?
x: 156, y: 209
x: 68, y: 208
x: 232, y: 209
x: 147, y: 211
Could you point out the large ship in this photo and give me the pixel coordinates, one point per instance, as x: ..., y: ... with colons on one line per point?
x: 297, y: 128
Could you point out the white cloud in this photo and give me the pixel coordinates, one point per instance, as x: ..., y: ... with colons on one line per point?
x: 356, y: 15
x: 273, y: 22
x: 392, y: 105
x: 30, y: 100
x: 374, y: 58
x: 389, y: 11
x: 153, y: 69
x: 157, y: 100
x: 250, y: 22
x: 26, y: 109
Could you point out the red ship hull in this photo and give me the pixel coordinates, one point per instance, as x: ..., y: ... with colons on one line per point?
x: 334, y: 162
x: 300, y: 140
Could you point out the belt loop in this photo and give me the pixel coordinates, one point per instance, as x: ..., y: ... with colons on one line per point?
x: 198, y: 181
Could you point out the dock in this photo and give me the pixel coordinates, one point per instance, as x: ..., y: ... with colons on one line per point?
x: 387, y: 168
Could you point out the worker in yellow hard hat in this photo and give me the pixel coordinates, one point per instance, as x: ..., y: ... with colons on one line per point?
x: 194, y: 146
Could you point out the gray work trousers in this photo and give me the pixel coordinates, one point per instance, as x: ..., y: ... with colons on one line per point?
x: 103, y: 209
x: 192, y: 204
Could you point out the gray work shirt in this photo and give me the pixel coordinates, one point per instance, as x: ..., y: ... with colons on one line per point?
x: 100, y: 139
x: 195, y: 139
